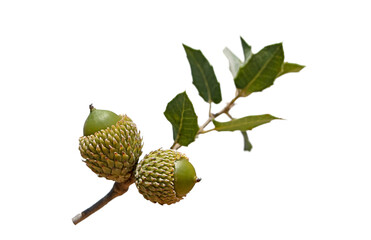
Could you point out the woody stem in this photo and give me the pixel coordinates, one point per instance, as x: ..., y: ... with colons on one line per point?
x: 118, y: 189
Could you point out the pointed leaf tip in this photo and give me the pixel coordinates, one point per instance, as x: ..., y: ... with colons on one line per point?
x: 247, y: 146
x: 245, y: 123
x: 203, y: 75
x: 290, y: 67
x: 246, y: 50
x: 261, y: 70
x: 180, y: 113
x: 234, y: 62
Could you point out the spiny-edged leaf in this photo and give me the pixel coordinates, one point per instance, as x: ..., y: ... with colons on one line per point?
x: 203, y: 76
x: 247, y: 146
x: 243, y: 124
x: 181, y: 115
x: 290, y: 67
x: 261, y: 70
x: 234, y: 62
x: 246, y: 50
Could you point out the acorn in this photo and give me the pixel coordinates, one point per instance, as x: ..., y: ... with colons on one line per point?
x: 165, y: 176
x: 111, y: 145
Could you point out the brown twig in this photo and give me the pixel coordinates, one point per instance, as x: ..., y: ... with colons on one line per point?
x: 118, y: 189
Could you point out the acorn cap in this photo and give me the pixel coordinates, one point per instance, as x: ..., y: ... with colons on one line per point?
x: 113, y: 152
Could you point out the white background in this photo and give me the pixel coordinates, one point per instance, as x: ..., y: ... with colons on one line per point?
x: 307, y: 177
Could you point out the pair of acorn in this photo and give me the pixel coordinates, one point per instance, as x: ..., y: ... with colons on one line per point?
x: 112, y: 146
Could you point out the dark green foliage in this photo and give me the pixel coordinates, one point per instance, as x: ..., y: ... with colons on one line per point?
x: 182, y: 116
x: 254, y: 73
x: 261, y: 70
x: 243, y: 124
x: 203, y: 76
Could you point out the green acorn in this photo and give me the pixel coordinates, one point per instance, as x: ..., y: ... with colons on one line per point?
x: 165, y: 176
x: 111, y: 145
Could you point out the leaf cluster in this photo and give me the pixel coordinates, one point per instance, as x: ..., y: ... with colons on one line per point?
x: 256, y: 72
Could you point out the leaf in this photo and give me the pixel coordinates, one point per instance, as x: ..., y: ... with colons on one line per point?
x: 243, y: 124
x: 290, y: 67
x: 180, y: 113
x: 261, y: 70
x: 234, y: 62
x: 203, y: 76
x: 246, y: 142
x: 246, y: 50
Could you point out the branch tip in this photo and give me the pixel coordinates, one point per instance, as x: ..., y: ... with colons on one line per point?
x: 76, y: 218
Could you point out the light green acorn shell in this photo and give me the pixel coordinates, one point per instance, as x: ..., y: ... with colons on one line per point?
x: 113, y: 152
x: 155, y: 176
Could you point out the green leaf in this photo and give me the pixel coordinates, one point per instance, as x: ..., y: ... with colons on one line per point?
x: 261, y: 70
x: 290, y: 67
x: 181, y: 115
x: 243, y: 124
x: 234, y: 62
x: 246, y: 50
x: 203, y: 76
x: 246, y: 142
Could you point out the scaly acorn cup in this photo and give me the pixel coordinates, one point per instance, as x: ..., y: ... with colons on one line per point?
x: 165, y: 176
x: 111, y: 145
